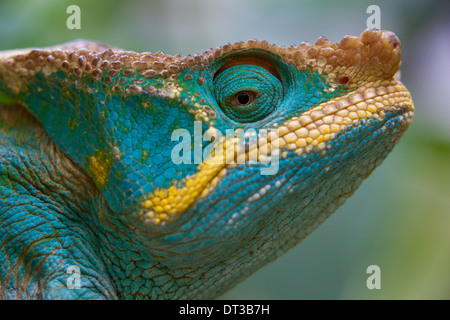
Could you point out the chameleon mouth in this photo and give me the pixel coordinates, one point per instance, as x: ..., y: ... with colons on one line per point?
x: 314, y: 128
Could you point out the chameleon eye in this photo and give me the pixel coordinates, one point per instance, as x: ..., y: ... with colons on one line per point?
x: 247, y: 93
x: 243, y: 98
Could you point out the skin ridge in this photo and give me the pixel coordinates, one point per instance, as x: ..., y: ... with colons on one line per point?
x: 28, y: 276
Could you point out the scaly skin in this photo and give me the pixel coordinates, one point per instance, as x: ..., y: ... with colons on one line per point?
x: 87, y: 178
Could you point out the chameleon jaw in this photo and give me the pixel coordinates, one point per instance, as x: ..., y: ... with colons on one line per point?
x: 310, y: 131
x: 165, y: 204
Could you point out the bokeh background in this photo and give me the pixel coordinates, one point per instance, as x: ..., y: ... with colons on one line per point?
x: 399, y: 219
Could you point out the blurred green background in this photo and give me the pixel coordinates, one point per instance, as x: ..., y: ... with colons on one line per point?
x: 400, y: 217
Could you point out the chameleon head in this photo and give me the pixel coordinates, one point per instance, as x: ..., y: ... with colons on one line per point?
x: 134, y: 122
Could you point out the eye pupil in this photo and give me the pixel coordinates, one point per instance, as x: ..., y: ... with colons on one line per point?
x: 243, y: 98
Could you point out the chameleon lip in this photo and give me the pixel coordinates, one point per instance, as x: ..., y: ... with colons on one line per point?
x: 314, y: 128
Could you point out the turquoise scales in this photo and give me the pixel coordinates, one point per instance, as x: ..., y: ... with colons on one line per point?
x: 87, y: 180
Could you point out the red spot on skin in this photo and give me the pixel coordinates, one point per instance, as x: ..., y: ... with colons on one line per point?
x: 344, y: 80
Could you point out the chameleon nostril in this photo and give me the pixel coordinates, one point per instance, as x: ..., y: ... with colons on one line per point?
x: 344, y: 80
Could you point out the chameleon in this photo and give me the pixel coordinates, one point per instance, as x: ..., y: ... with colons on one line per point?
x: 118, y: 179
